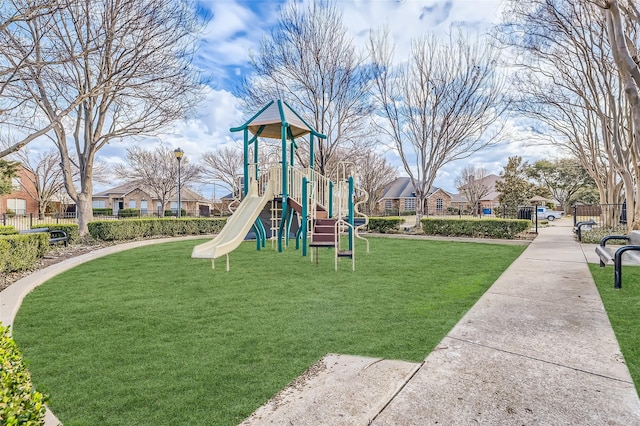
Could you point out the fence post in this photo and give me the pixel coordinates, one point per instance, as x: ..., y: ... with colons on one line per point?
x: 4, y: 219
x: 575, y: 214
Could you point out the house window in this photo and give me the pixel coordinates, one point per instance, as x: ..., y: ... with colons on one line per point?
x: 17, y: 205
x: 409, y: 203
x: 143, y: 206
x: 132, y: 204
x: 99, y: 204
x: 16, y: 184
x: 173, y: 206
x: 439, y: 204
x: 388, y: 204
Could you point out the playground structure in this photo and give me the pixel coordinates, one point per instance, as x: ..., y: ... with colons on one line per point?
x: 325, y: 209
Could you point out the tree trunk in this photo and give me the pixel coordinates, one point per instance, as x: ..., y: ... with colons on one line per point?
x: 84, y: 211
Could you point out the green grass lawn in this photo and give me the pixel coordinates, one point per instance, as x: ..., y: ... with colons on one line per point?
x: 153, y: 337
x: 623, y: 309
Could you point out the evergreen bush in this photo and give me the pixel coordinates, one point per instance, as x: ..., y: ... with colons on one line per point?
x: 20, y: 403
x: 482, y: 228
x: 130, y: 229
x: 385, y: 225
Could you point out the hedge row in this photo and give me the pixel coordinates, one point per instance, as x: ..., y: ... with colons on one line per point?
x: 70, y: 228
x: 20, y: 403
x: 102, y: 211
x: 20, y: 252
x: 483, y: 228
x: 385, y: 225
x: 7, y: 230
x: 130, y: 229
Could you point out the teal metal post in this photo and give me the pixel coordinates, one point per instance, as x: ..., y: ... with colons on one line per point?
x: 305, y: 215
x: 350, y: 217
x: 288, y: 230
x: 330, y: 198
x: 255, y: 158
x: 246, y: 162
x: 285, y: 185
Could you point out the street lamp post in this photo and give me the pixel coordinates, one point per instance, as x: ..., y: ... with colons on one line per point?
x: 179, y: 154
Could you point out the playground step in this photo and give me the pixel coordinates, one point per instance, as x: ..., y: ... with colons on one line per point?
x: 319, y: 238
x: 328, y: 244
x: 321, y: 214
x: 345, y: 253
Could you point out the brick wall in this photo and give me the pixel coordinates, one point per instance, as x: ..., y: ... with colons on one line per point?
x: 23, y: 193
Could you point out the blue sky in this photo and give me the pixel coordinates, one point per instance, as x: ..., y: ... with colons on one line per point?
x: 235, y: 28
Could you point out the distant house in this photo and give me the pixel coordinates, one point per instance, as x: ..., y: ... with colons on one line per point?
x: 137, y: 196
x: 487, y: 203
x: 21, y: 200
x: 400, y: 196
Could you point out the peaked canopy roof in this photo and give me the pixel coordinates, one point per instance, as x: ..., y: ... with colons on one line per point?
x: 271, y: 118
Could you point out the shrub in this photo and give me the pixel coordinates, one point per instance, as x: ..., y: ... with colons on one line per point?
x: 20, y: 252
x: 129, y: 213
x: 103, y: 212
x: 109, y: 230
x: 484, y: 228
x: 20, y: 403
x: 70, y: 228
x: 408, y: 213
x: 11, y: 213
x: 594, y: 235
x: 385, y: 225
x: 169, y: 213
x: 7, y: 230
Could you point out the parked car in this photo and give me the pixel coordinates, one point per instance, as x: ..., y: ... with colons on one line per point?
x: 550, y: 215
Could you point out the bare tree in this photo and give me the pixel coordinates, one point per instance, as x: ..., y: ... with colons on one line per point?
x: 568, y: 83
x: 473, y: 185
x: 622, y: 29
x: 374, y: 173
x: 224, y: 165
x: 127, y: 72
x: 443, y: 104
x: 157, y: 171
x: 45, y: 176
x: 310, y: 61
x: 16, y: 54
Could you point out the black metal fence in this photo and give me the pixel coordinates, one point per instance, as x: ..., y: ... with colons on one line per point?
x: 27, y: 221
x: 604, y: 219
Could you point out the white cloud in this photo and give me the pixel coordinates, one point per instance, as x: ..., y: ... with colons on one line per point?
x: 237, y: 26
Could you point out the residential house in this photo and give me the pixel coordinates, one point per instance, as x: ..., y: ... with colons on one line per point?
x: 487, y: 203
x: 137, y: 196
x: 20, y: 201
x: 400, y: 196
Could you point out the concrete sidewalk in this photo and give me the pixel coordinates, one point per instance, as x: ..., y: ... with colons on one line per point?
x: 537, y: 348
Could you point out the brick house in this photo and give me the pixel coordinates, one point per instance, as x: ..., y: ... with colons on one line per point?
x: 487, y: 203
x: 399, y: 197
x: 136, y: 196
x: 20, y: 201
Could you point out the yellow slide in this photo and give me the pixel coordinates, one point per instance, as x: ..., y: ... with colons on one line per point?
x: 237, y: 226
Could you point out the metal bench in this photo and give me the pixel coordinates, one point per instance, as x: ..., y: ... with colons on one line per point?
x: 587, y: 224
x: 607, y: 254
x: 55, y: 235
